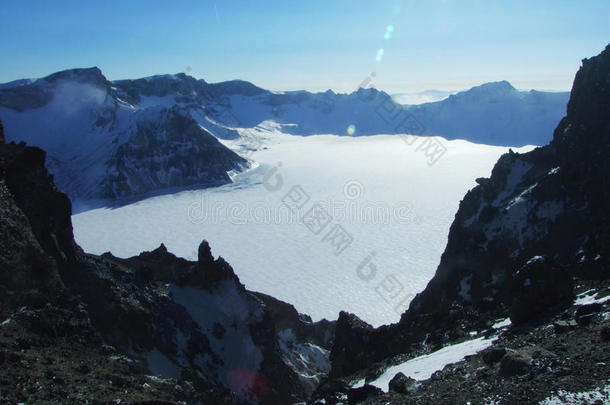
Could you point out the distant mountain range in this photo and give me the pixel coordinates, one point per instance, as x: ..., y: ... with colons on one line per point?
x: 130, y: 137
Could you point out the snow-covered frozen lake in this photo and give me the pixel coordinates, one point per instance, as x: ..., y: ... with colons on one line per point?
x: 326, y: 223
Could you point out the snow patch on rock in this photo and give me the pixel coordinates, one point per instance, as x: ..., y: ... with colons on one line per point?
x: 422, y: 367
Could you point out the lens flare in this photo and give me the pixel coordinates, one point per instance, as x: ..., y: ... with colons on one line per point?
x: 389, y: 31
x: 379, y: 55
x: 351, y: 129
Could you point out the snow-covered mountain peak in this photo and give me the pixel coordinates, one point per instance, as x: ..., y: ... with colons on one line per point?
x: 92, y: 75
x: 238, y: 87
x: 493, y: 89
x: 178, y: 84
x: 118, y: 139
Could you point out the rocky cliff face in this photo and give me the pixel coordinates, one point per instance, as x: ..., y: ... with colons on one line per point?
x: 153, y: 326
x: 519, y: 240
x: 171, y: 150
x: 550, y: 202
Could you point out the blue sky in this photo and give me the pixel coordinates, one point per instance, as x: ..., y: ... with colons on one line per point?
x: 313, y: 45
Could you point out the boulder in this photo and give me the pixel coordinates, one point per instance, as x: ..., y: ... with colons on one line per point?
x: 604, y: 333
x: 402, y: 384
x: 564, y: 326
x: 493, y: 355
x: 513, y: 364
x: 357, y: 395
x: 585, y: 313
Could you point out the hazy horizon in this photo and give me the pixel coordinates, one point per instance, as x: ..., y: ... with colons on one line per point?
x: 419, y: 96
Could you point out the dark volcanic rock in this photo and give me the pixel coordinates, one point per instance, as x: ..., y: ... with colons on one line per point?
x: 161, y: 265
x: 540, y: 286
x: 604, y: 333
x: 35, y: 231
x: 564, y: 326
x: 514, y: 364
x: 47, y: 209
x: 285, y: 316
x: 493, y: 355
x: 357, y: 395
x: 351, y: 334
x: 401, y: 383
x: 585, y: 313
x: 204, y: 254
x: 332, y: 389
x: 212, y: 272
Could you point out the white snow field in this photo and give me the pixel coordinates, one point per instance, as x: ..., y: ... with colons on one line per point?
x: 422, y: 367
x: 373, y: 222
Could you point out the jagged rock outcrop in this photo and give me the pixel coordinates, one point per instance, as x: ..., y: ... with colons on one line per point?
x: 29, y: 274
x: 185, y: 87
x: 153, y: 326
x: 351, y: 333
x: 285, y: 316
x: 550, y: 202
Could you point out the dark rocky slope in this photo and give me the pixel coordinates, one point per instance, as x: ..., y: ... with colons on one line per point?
x: 167, y: 150
x: 519, y: 243
x: 79, y: 328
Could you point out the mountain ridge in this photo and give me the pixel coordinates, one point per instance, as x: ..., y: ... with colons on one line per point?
x: 102, y: 147
x: 86, y: 123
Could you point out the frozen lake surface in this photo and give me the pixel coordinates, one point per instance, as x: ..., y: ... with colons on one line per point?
x: 325, y: 223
